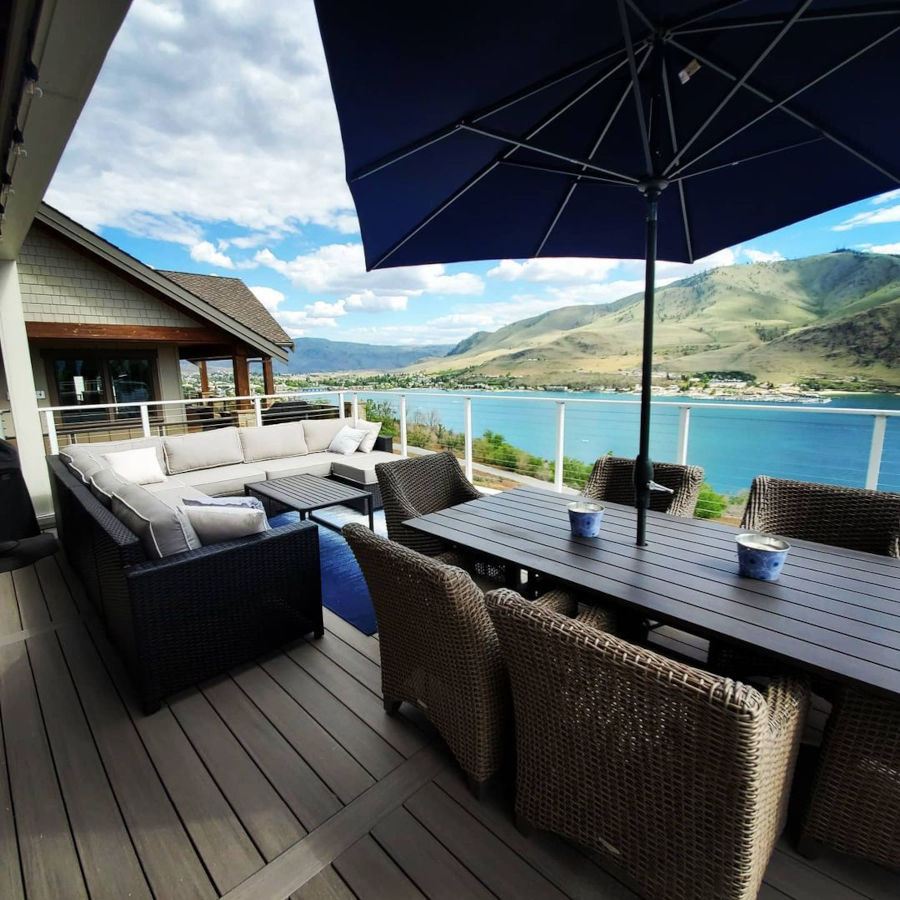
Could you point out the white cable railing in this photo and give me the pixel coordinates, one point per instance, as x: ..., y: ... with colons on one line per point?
x: 548, y: 438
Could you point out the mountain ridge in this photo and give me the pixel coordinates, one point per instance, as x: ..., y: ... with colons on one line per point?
x: 824, y: 315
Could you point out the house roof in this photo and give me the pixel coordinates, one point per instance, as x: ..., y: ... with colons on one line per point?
x: 233, y: 297
x: 230, y: 319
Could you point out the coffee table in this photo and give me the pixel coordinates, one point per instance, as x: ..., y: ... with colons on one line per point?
x: 308, y: 493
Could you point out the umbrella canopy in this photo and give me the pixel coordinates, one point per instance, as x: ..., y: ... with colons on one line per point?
x: 478, y: 130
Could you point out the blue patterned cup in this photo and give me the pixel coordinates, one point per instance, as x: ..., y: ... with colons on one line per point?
x: 585, y: 517
x: 761, y: 556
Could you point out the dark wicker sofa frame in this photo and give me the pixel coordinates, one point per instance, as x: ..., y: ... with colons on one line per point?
x: 179, y: 620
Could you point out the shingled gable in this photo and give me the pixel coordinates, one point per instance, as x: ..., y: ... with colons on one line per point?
x: 235, y: 299
x: 247, y: 320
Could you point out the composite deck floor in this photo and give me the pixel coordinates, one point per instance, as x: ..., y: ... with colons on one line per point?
x: 283, y: 778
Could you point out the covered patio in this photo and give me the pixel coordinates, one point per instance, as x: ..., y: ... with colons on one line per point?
x: 284, y: 778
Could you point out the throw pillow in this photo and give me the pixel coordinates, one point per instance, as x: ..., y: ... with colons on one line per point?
x: 346, y: 440
x: 215, y: 524
x: 162, y: 529
x: 320, y: 432
x: 240, y: 502
x: 138, y: 466
x: 372, y: 430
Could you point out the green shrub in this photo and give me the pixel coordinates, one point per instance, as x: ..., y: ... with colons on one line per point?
x: 710, y: 505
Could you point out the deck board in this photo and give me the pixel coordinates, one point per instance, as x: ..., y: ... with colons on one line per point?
x: 50, y: 867
x: 284, y: 778
x: 97, y: 824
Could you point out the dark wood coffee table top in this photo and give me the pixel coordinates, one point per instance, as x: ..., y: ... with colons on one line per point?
x: 307, y: 493
x: 835, y: 612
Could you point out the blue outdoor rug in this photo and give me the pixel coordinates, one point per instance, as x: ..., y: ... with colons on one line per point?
x: 344, y: 589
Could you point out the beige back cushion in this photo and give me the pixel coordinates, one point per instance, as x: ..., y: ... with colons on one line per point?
x: 273, y: 441
x: 189, y: 452
x: 320, y: 432
x: 162, y: 529
x: 85, y: 459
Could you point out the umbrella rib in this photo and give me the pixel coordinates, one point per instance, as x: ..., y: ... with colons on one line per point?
x: 786, y: 27
x: 600, y: 138
x: 568, y: 173
x: 445, y: 132
x: 449, y: 201
x: 636, y: 86
x: 520, y: 143
x: 782, y: 104
x: 670, y: 113
x: 711, y: 11
x: 736, y: 162
x: 681, y: 30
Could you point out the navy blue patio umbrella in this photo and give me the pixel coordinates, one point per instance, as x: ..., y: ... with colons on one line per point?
x: 489, y: 129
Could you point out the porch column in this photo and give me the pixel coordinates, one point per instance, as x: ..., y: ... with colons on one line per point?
x: 204, y: 377
x: 20, y: 384
x: 241, y: 370
x: 268, y: 375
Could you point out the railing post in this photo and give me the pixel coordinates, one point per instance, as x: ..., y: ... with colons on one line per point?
x: 468, y: 436
x: 341, y: 405
x: 257, y: 409
x: 145, y: 419
x: 355, y: 408
x: 403, y: 424
x: 684, y: 430
x: 52, y: 437
x: 875, y: 450
x: 560, y: 444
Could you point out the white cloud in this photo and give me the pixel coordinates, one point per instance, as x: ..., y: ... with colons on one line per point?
x: 762, y: 256
x: 887, y: 197
x: 368, y: 301
x: 216, y: 112
x: 206, y: 252
x: 552, y: 269
x: 341, y: 268
x: 322, y: 310
x: 886, y: 248
x: 875, y: 217
x: 269, y: 297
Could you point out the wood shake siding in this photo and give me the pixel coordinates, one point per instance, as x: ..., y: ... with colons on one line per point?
x: 59, y: 284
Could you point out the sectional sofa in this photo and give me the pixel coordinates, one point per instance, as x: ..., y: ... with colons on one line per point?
x: 179, y: 612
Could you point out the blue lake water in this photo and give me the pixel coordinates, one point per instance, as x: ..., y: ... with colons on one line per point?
x: 733, y: 444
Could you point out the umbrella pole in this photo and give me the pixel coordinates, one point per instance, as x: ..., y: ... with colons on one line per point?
x: 643, y: 465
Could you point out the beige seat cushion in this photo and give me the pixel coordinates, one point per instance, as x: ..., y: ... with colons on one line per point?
x: 175, y: 495
x: 224, y: 480
x: 273, y: 441
x: 314, y: 464
x: 360, y: 467
x: 206, y: 450
x: 319, y: 433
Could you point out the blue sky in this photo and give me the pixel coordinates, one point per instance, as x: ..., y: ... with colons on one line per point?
x: 210, y: 144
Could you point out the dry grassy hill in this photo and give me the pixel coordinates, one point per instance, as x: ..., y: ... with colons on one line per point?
x: 833, y: 316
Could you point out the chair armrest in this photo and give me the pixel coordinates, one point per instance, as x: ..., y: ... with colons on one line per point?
x: 384, y: 442
x: 787, y: 699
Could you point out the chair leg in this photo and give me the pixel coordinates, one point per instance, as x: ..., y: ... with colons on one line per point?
x: 391, y: 707
x: 524, y: 827
x: 809, y: 847
x: 478, y: 789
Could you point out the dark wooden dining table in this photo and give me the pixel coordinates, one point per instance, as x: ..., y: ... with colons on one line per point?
x: 833, y: 612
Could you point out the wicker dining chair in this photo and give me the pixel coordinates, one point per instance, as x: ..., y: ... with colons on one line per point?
x: 439, y: 649
x: 853, y: 518
x: 678, y: 777
x: 417, y: 486
x: 612, y: 479
x: 855, y: 801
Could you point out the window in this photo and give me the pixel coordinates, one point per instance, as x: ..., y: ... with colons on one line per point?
x: 92, y: 377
